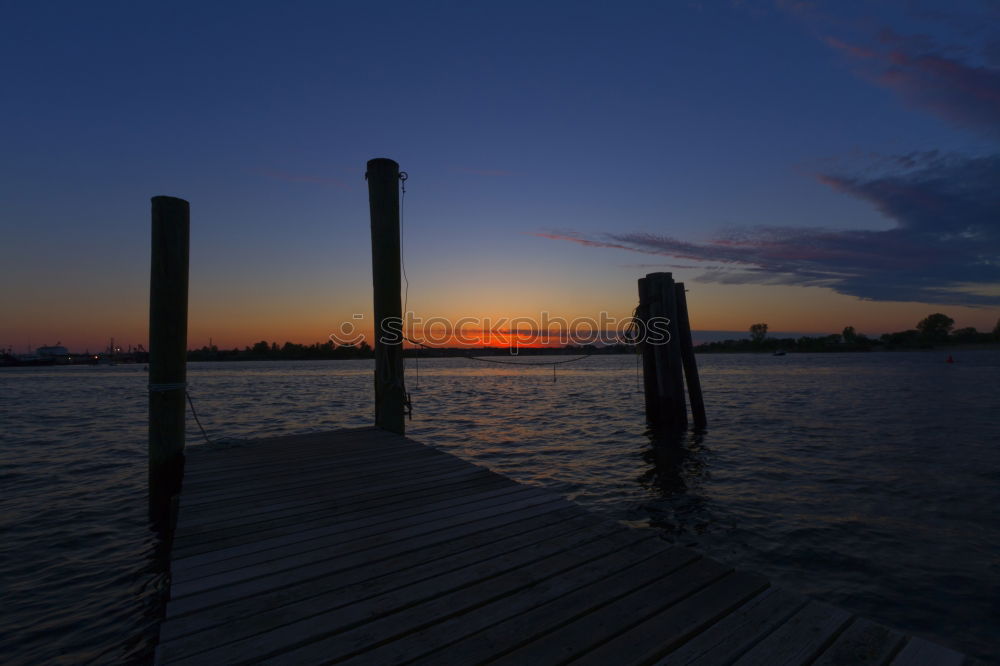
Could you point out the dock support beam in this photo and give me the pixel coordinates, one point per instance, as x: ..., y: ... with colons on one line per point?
x: 168, y: 298
x: 665, y: 363
x: 383, y: 199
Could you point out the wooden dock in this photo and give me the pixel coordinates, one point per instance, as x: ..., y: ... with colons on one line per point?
x: 367, y: 547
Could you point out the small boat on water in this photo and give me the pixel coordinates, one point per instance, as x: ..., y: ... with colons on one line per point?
x: 780, y: 352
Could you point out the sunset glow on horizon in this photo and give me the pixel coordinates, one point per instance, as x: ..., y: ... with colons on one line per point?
x: 809, y: 165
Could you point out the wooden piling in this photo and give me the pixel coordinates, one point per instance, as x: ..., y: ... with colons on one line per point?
x: 664, y: 394
x: 383, y: 199
x: 665, y: 366
x: 650, y: 391
x: 675, y: 373
x: 168, y: 296
x: 663, y: 414
x: 687, y: 356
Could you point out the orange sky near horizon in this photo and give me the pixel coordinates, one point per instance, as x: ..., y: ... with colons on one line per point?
x: 88, y: 322
x: 546, y: 171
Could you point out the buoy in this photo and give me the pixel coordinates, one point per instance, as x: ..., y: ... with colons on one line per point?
x: 950, y: 359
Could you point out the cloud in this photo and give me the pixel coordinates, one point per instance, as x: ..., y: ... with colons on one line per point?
x: 932, y: 77
x: 944, y: 247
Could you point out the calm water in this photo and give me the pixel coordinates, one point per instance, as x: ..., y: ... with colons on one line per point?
x: 869, y: 480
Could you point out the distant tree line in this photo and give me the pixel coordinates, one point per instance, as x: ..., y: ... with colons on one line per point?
x: 290, y: 351
x: 935, y: 330
x: 931, y: 331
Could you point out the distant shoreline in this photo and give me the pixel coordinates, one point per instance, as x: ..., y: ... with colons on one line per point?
x: 733, y: 347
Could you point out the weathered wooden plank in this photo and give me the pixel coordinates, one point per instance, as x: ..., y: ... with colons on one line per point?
x: 298, y: 504
x: 662, y: 632
x: 864, y: 642
x: 374, y: 570
x: 217, y: 457
x: 264, y: 583
x: 208, y: 543
x: 211, y: 460
x: 919, y: 652
x: 231, y: 574
x: 340, y: 632
x: 729, y: 638
x: 363, y: 545
x: 350, y: 494
x: 586, y: 632
x: 371, y: 454
x: 383, y: 486
x: 331, y: 510
x: 800, y: 639
x: 445, y: 608
x: 527, y: 626
x: 427, y: 644
x: 245, y: 555
x: 381, y: 461
x: 197, y: 569
x: 315, y: 477
x: 446, y: 496
x: 467, y: 563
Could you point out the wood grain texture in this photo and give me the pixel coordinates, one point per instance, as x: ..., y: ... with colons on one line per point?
x: 374, y: 549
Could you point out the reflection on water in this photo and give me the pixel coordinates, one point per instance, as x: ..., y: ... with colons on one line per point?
x: 675, y: 468
x: 869, y: 480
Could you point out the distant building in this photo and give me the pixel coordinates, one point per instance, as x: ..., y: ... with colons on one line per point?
x: 53, y: 351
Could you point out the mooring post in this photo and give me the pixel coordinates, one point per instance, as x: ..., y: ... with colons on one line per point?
x: 687, y: 355
x: 673, y: 349
x: 168, y: 297
x: 650, y: 391
x: 383, y: 199
x: 664, y: 414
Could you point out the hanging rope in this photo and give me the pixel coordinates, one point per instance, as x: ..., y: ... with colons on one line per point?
x: 402, y: 261
x: 407, y: 402
x: 196, y: 419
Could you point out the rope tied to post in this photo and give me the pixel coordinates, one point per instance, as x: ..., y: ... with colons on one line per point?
x: 159, y: 388
x: 181, y: 386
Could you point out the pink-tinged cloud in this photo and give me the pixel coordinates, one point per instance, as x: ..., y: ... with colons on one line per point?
x: 918, y: 71
x: 947, y: 237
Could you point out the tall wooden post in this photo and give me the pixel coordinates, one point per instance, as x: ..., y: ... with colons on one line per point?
x: 675, y: 375
x: 383, y: 199
x: 663, y: 414
x: 650, y: 391
x: 687, y: 355
x: 168, y: 296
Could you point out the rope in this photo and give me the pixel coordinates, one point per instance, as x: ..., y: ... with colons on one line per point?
x: 160, y: 388
x: 181, y: 386
x: 402, y: 261
x: 407, y: 402
x: 196, y: 419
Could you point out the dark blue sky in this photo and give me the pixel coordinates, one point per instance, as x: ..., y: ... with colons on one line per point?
x: 809, y: 164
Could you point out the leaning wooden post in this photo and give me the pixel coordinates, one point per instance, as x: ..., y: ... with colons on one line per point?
x: 168, y: 296
x: 687, y: 355
x: 383, y: 198
x: 673, y: 349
